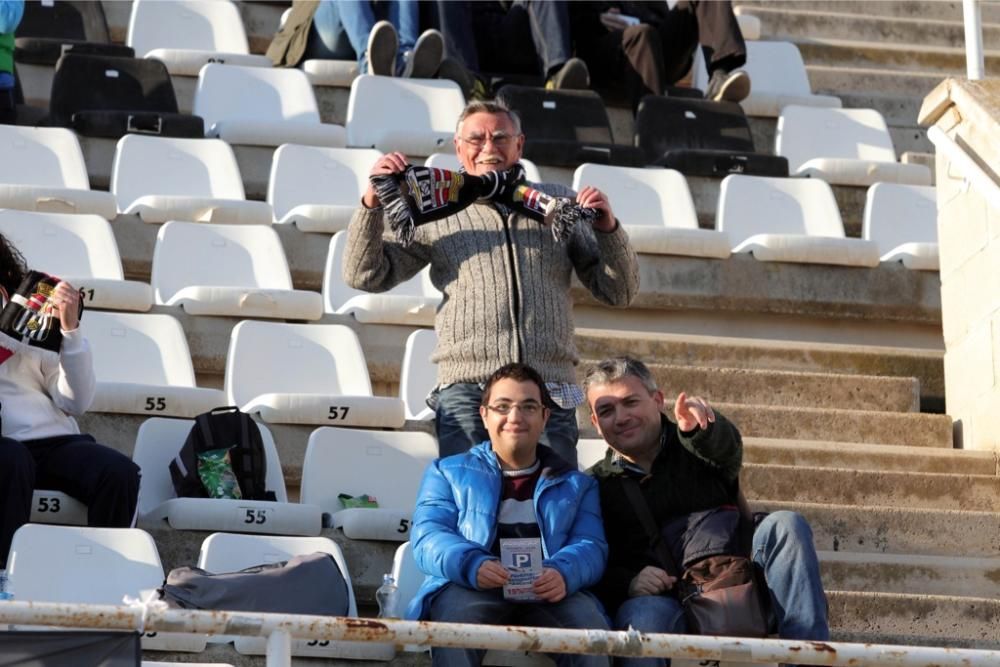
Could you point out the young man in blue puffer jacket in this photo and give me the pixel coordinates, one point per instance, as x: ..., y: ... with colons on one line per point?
x: 509, y: 487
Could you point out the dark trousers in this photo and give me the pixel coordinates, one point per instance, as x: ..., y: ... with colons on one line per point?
x: 105, y: 480
x: 653, y: 56
x: 528, y: 37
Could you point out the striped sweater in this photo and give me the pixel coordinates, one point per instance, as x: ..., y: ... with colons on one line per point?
x: 505, y: 280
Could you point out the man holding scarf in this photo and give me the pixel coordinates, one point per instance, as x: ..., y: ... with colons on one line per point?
x: 505, y: 278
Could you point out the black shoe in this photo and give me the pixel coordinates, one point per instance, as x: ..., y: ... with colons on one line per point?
x: 473, y: 87
x: 383, y: 43
x: 425, y: 58
x: 573, y: 75
x: 728, y: 86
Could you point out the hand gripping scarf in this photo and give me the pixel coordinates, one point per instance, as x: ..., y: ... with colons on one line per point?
x: 28, y: 316
x: 420, y: 195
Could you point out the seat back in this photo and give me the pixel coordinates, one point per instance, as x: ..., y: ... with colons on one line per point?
x: 228, y: 552
x: 750, y: 205
x: 231, y: 92
x: 419, y: 374
x: 774, y: 68
x: 657, y: 197
x: 317, y: 175
x: 186, y: 24
x: 107, y: 83
x: 144, y: 349
x: 386, y: 464
x: 65, y: 245
x: 805, y: 133
x: 79, y: 564
x: 201, y: 254
x: 668, y: 123
x: 590, y: 451
x: 408, y: 576
x: 158, y: 442
x: 46, y: 156
x: 179, y: 167
x: 450, y: 161
x: 380, y: 105
x: 78, y: 20
x: 563, y: 115
x: 275, y: 357
x: 897, y: 214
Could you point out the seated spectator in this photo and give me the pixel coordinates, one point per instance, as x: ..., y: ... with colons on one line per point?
x: 10, y: 16
x: 525, y: 36
x: 652, y: 44
x: 384, y: 36
x: 685, y: 468
x: 42, y: 447
x: 508, y: 488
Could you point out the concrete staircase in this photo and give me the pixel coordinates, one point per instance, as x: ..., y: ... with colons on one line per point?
x: 834, y: 375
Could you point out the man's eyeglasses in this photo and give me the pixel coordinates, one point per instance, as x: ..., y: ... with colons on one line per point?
x: 499, y: 139
x: 528, y: 409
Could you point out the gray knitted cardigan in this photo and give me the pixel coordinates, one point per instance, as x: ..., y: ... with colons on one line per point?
x: 506, y: 284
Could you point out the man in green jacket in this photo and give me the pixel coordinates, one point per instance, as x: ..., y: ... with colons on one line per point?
x: 683, y: 469
x: 10, y: 16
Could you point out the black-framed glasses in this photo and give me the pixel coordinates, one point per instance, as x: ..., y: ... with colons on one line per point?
x: 528, y: 408
x: 500, y: 139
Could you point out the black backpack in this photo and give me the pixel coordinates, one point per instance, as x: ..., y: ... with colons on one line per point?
x: 223, y: 427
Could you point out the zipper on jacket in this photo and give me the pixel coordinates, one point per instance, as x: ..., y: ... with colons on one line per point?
x: 515, y: 287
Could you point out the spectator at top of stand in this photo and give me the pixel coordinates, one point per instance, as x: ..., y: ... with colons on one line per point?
x: 10, y: 16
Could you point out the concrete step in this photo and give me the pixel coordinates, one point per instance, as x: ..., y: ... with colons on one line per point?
x: 903, y: 573
x: 736, y: 352
x: 940, y: 60
x: 846, y: 486
x: 931, y: 10
x: 886, y: 428
x: 734, y: 385
x: 899, y: 530
x: 840, y: 79
x: 919, y: 620
x: 817, y: 454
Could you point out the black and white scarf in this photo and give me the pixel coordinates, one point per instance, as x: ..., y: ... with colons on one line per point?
x: 28, y: 316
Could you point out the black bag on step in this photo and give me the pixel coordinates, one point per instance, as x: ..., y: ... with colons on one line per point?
x: 229, y: 429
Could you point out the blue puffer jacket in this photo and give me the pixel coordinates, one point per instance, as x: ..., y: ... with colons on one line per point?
x: 455, y: 520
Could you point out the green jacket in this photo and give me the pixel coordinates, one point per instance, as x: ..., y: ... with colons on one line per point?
x: 693, y: 472
x: 7, y: 53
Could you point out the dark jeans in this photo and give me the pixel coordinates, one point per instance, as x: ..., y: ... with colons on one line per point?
x: 531, y: 36
x: 105, y: 480
x: 459, y: 426
x: 657, y: 54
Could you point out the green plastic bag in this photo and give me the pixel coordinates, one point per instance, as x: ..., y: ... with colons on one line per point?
x: 363, y: 500
x: 216, y: 472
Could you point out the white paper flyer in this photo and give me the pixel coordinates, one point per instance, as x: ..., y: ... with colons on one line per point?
x: 523, y: 559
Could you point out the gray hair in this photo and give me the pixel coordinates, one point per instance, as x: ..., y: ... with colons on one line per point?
x: 616, y: 369
x: 492, y: 107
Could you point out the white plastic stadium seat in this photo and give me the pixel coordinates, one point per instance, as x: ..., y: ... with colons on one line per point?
x: 187, y: 34
x: 589, y: 451
x: 385, y: 464
x: 450, y: 161
x: 198, y: 180
x: 778, y: 78
x: 229, y: 270
x: 419, y: 374
x: 261, y: 107
x: 305, y: 374
x: 843, y: 147
x: 413, y: 116
x: 56, y: 507
x: 788, y: 220
x: 83, y: 565
x: 225, y: 552
x: 143, y: 366
x: 413, y: 302
x: 656, y: 208
x: 80, y: 249
x: 43, y: 170
x: 158, y: 442
x: 327, y: 72
x: 902, y: 221
x: 318, y: 189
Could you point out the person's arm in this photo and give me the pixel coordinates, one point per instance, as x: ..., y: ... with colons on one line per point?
x: 708, y: 435
x: 70, y: 379
x: 438, y: 547
x: 582, y: 559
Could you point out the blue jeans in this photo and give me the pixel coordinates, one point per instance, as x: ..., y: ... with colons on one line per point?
x: 460, y: 427
x: 342, y: 28
x: 783, y: 548
x: 457, y: 604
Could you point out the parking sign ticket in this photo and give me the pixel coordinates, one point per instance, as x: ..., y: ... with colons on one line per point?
x: 523, y: 559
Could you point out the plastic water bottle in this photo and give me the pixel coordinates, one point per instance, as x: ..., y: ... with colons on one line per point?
x: 4, y: 593
x: 387, y: 597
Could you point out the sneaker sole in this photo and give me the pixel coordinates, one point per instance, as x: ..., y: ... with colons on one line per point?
x: 427, y: 55
x: 382, y: 47
x: 572, y: 76
x: 736, y: 88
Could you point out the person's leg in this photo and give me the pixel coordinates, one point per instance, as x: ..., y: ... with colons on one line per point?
x: 720, y: 36
x: 550, y: 32
x: 783, y: 548
x: 328, y: 39
x: 678, y: 33
x: 405, y: 15
x: 457, y: 422
x: 578, y: 611
x: 358, y: 19
x: 650, y: 614
x: 457, y: 604
x: 644, y: 69
x: 456, y: 25
x: 561, y: 434
x: 102, y: 478
x: 17, y: 483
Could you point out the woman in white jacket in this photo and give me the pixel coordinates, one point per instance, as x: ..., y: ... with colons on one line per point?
x: 42, y: 447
